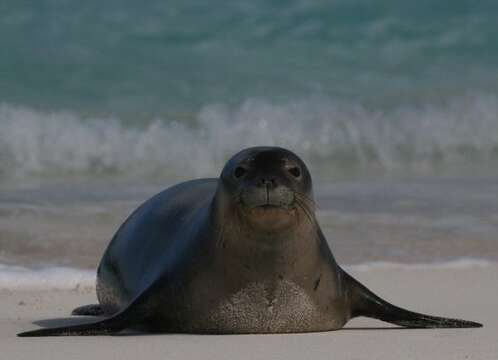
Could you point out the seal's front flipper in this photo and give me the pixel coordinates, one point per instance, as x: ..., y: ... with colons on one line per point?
x: 89, y: 310
x: 366, y: 303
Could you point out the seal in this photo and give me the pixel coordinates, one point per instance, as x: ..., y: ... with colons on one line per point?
x: 240, y: 254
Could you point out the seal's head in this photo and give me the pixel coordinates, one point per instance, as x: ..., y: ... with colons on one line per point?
x: 269, y: 186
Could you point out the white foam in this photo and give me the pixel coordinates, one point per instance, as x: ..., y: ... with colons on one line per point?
x: 48, y: 278
x: 323, y: 131
x: 65, y: 278
x: 462, y: 263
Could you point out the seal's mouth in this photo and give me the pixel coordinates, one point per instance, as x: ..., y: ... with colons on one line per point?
x: 269, y: 204
x: 273, y: 210
x: 266, y: 199
x: 269, y: 213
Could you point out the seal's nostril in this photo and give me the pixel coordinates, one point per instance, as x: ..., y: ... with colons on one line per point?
x: 268, y: 182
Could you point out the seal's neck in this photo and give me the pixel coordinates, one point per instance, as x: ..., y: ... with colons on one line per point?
x: 258, y: 254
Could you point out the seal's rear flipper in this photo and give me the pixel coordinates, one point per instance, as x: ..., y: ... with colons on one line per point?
x: 111, y: 325
x: 89, y: 310
x: 114, y: 324
x: 103, y: 327
x: 366, y: 303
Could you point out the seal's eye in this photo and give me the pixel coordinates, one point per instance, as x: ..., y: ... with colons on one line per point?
x: 239, y: 172
x: 294, y: 171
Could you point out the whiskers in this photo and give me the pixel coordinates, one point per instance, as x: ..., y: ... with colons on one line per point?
x: 311, y: 203
x: 306, y: 204
x: 286, y: 202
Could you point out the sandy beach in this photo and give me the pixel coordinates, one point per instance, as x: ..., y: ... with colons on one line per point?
x: 468, y: 292
x: 392, y: 106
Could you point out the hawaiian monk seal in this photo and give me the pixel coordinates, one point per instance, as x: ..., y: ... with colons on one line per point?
x: 239, y: 254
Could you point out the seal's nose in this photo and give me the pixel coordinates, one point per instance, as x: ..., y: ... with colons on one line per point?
x: 268, y: 182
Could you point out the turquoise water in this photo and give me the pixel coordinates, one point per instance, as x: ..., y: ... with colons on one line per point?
x: 164, y: 58
x: 393, y: 104
x: 126, y: 90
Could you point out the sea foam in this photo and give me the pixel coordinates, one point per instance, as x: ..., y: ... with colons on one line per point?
x: 46, y: 278
x: 326, y: 133
x: 462, y: 263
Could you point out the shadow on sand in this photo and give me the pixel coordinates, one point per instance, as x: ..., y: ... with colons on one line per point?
x: 69, y: 321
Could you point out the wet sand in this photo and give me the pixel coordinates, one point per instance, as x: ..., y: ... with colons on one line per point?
x: 407, y: 221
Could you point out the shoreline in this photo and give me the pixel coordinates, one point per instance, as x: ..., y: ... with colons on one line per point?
x: 463, y: 292
x: 48, y: 277
x: 55, y: 277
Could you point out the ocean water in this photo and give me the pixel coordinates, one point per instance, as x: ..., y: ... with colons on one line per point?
x: 392, y: 104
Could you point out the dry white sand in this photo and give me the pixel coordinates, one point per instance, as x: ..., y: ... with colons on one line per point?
x: 469, y: 293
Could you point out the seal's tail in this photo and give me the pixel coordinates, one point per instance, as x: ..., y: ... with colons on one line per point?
x: 366, y: 303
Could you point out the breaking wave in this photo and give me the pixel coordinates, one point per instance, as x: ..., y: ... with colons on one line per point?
x: 332, y: 136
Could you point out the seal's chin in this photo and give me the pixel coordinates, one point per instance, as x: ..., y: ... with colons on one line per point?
x: 270, y: 217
